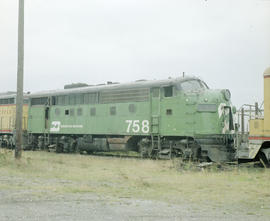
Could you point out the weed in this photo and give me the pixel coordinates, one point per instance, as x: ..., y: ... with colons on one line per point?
x: 3, y: 158
x: 172, y: 181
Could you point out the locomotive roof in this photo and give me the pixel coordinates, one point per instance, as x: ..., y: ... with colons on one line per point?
x: 114, y: 86
x: 11, y: 95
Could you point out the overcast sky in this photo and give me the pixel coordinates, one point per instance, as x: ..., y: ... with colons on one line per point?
x: 226, y: 43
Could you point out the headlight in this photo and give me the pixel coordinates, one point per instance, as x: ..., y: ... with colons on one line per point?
x: 226, y: 94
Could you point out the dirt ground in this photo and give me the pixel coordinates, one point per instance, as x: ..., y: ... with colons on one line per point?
x: 22, y: 205
x: 46, y: 186
x: 93, y: 207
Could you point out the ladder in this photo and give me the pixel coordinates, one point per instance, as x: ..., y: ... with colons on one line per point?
x: 155, y: 140
x: 155, y: 137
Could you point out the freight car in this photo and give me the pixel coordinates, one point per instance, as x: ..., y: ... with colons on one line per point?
x: 158, y: 118
x: 8, y: 116
x: 255, y: 144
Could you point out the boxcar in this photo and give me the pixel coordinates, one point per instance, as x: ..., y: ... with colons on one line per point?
x: 8, y: 116
x: 255, y: 144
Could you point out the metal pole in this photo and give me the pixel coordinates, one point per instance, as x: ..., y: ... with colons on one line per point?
x: 256, y: 110
x: 19, y: 98
x: 242, y: 121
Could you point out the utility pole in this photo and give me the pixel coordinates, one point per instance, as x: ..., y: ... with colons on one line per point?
x: 19, y: 97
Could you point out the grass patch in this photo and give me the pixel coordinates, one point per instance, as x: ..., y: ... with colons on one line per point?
x: 170, y: 181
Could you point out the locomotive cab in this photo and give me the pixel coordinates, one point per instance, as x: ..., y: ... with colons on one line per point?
x: 205, y: 118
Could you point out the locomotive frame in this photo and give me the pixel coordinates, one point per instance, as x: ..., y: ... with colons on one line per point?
x: 159, y: 118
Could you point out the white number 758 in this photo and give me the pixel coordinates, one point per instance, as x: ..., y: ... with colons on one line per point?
x: 135, y: 126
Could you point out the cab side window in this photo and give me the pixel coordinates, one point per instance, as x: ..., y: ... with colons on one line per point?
x: 168, y: 91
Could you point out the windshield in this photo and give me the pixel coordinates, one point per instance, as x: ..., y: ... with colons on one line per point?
x: 193, y: 85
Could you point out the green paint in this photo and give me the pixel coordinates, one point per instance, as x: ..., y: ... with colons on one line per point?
x: 169, y: 116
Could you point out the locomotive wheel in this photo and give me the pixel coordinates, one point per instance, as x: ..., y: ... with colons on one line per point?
x: 66, y: 148
x: 89, y: 152
x: 59, y: 148
x: 263, y: 160
x: 73, y: 147
x: 143, y: 152
x: 144, y: 148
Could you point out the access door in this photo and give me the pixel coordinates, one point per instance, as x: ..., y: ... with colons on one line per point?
x: 47, y: 114
x: 190, y: 113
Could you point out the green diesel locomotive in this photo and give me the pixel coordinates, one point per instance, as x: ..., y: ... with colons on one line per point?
x: 158, y: 118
